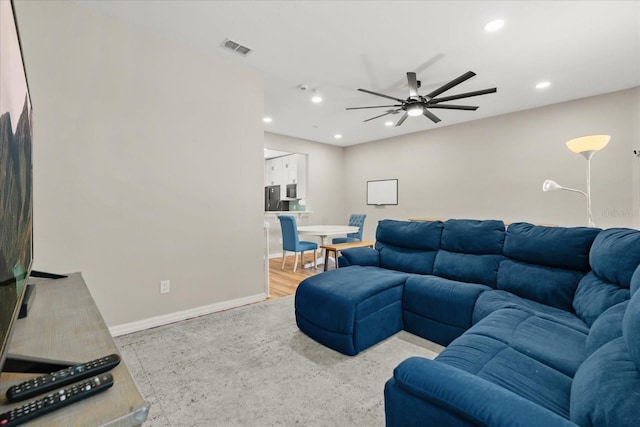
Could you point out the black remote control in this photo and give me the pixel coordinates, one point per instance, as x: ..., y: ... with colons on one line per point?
x: 45, y: 383
x: 56, y: 400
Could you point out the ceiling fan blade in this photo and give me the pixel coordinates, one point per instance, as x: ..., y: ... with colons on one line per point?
x: 413, y: 84
x: 454, y: 107
x: 375, y: 106
x: 380, y: 94
x: 428, y: 114
x: 381, y: 115
x: 402, y: 119
x: 452, y: 83
x: 463, y: 95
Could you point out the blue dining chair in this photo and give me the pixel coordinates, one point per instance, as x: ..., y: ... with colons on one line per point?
x: 355, y: 220
x: 291, y: 242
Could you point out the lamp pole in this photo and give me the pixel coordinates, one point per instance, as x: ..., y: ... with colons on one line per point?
x: 588, y: 155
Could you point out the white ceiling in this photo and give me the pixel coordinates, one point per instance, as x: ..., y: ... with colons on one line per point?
x: 583, y: 48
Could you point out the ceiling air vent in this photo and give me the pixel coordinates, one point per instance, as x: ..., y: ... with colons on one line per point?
x: 236, y: 47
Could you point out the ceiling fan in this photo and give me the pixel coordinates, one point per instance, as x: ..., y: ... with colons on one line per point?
x: 416, y: 105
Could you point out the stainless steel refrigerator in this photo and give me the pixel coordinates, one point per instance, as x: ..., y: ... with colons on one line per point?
x: 272, y: 198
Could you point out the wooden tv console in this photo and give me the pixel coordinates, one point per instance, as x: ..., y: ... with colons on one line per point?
x: 64, y: 323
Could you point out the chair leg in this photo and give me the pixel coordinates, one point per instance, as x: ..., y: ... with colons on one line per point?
x: 315, y: 257
x: 295, y: 263
x: 284, y: 257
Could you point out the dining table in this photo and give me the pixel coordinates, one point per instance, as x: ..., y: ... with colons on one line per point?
x: 325, y: 231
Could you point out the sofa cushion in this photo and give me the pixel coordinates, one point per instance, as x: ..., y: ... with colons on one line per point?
x: 488, y: 302
x: 547, y: 285
x: 438, y: 309
x: 498, y: 363
x: 635, y: 281
x: 470, y: 236
x: 468, y: 268
x: 425, y: 392
x: 471, y: 251
x: 606, y: 389
x: 441, y: 299
x: 359, y: 256
x: 405, y: 260
x: 553, y: 344
x: 545, y: 264
x: 594, y: 296
x: 631, y: 329
x: 408, y: 246
x: 420, y: 235
x: 558, y: 247
x: 614, y: 256
x: 606, y: 327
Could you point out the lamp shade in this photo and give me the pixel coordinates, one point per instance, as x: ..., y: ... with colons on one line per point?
x: 550, y: 185
x: 588, y: 143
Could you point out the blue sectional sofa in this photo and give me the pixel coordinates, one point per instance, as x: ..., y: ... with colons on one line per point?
x: 541, y: 324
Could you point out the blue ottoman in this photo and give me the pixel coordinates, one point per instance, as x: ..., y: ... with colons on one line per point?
x: 352, y: 308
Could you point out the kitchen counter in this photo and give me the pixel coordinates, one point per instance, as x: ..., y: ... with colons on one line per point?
x: 288, y: 212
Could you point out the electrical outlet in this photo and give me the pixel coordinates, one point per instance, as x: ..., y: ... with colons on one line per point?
x: 165, y: 286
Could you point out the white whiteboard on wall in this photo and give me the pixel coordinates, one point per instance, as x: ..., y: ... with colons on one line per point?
x: 382, y: 192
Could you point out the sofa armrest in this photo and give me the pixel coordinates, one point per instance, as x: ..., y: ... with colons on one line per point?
x: 359, y: 256
x: 453, y: 393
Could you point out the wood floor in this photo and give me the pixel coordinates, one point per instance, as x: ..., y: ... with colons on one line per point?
x: 284, y: 282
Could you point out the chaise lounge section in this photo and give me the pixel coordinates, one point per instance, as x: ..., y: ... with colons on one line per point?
x: 533, y: 319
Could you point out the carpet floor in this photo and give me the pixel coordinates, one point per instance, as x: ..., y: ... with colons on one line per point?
x: 251, y: 366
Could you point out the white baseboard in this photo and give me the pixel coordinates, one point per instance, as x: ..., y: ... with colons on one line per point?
x: 177, y: 316
x: 275, y: 255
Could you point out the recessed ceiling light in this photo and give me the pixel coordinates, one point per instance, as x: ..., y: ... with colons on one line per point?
x: 388, y: 123
x: 543, y: 85
x: 316, y: 97
x: 337, y: 136
x: 267, y: 119
x: 494, y: 25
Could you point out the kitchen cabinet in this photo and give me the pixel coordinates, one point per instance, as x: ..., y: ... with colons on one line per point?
x: 291, y: 169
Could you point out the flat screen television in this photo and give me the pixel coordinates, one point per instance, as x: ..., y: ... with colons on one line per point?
x: 16, y: 179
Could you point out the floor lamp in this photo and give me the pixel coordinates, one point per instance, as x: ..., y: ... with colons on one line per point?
x: 587, y: 146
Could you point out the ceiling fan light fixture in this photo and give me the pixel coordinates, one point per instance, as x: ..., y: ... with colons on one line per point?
x: 415, y: 110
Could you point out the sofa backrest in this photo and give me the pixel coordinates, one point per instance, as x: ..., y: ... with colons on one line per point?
x: 470, y: 251
x: 606, y: 388
x: 614, y: 256
x: 545, y: 264
x: 608, y: 326
x: 408, y: 246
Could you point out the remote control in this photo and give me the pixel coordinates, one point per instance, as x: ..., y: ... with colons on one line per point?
x: 56, y: 400
x: 45, y: 383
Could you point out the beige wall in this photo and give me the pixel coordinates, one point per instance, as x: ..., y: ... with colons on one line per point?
x: 143, y: 168
x: 494, y: 168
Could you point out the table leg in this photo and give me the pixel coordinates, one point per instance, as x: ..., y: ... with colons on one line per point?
x: 326, y: 260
